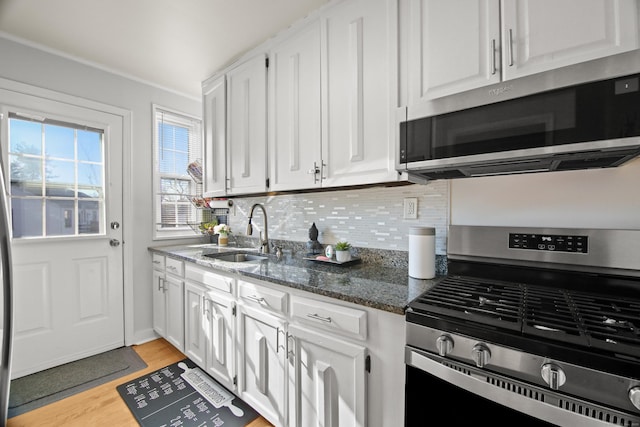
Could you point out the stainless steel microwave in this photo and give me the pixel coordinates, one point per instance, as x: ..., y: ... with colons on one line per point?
x: 544, y: 125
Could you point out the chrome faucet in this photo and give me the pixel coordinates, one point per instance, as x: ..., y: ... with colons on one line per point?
x: 264, y: 243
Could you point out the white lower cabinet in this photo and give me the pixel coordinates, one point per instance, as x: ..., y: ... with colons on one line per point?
x: 297, y: 358
x: 159, y: 309
x: 220, y: 327
x: 262, y: 363
x: 175, y: 313
x: 210, y: 324
x: 168, y: 303
x: 327, y: 380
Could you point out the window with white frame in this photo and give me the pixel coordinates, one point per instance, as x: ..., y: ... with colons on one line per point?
x: 177, y: 144
x: 57, y: 178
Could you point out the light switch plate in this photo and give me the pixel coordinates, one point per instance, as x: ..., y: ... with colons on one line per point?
x: 410, y: 208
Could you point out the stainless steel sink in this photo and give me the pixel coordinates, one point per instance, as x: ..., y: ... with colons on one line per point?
x: 238, y: 257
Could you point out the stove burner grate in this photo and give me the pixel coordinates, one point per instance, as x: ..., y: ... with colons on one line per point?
x: 563, y: 315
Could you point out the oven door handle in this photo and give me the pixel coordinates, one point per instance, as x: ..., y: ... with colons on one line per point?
x: 476, y: 383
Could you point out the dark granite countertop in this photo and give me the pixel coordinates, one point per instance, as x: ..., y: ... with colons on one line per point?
x: 369, y: 284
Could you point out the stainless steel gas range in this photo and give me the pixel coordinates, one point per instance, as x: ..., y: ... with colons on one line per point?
x: 532, y: 327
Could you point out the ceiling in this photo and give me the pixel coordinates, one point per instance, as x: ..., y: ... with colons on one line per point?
x: 175, y: 44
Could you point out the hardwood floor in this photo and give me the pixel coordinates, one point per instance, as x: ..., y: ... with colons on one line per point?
x: 102, y: 405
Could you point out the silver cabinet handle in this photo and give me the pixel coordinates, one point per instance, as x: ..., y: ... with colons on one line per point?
x: 278, y: 345
x: 510, y: 47
x: 314, y: 171
x: 291, y: 353
x: 318, y: 317
x: 259, y: 300
x: 494, y: 69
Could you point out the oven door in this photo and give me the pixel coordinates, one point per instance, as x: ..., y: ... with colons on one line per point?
x: 479, y: 396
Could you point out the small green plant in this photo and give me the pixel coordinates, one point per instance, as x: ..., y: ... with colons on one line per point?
x: 343, y: 246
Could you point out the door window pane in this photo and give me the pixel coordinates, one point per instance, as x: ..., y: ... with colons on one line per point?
x: 69, y: 199
x: 26, y: 175
x: 61, y: 218
x: 89, y: 180
x: 88, y: 217
x: 25, y: 137
x: 59, y: 142
x: 26, y: 215
x: 89, y: 146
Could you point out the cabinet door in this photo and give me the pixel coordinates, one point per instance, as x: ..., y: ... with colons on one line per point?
x: 294, y: 136
x: 327, y: 380
x: 453, y: 46
x: 175, y: 311
x: 214, y: 105
x: 360, y: 84
x: 159, y: 305
x: 261, y: 366
x: 544, y: 34
x: 247, y: 127
x: 195, y: 324
x: 220, y: 337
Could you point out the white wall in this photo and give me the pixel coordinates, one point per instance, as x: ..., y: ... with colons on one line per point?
x: 598, y: 198
x: 31, y: 66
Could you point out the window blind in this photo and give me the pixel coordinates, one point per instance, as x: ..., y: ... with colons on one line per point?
x: 178, y: 144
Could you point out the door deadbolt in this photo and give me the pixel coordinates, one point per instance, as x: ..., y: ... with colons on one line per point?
x: 115, y: 225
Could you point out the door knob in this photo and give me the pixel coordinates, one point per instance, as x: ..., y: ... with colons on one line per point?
x: 114, y: 242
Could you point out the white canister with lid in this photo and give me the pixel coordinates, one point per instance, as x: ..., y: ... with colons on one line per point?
x: 422, y: 252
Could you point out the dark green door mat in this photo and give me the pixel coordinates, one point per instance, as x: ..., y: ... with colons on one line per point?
x: 48, y: 386
x: 183, y: 395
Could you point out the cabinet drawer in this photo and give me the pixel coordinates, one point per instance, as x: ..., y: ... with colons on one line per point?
x: 208, y: 278
x: 174, y: 266
x: 330, y: 316
x: 158, y: 262
x: 263, y: 296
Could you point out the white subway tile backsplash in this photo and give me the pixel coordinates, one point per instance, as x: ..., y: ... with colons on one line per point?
x: 371, y: 218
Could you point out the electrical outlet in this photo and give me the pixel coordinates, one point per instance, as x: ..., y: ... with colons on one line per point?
x: 410, y: 208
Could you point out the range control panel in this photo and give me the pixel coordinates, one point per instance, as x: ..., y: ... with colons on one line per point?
x: 549, y: 242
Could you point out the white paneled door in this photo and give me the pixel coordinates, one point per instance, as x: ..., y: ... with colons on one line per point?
x: 64, y: 164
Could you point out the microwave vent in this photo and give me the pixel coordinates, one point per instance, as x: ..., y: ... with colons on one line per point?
x: 593, y: 159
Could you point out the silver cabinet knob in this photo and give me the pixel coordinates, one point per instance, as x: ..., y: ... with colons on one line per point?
x: 114, y: 242
x: 553, y: 375
x: 481, y: 355
x: 634, y: 396
x: 444, y: 343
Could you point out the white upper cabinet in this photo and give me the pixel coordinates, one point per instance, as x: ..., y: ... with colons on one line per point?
x: 455, y: 46
x: 540, y: 35
x: 247, y: 127
x: 294, y: 120
x: 359, y: 84
x: 333, y: 90
x: 215, y: 155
